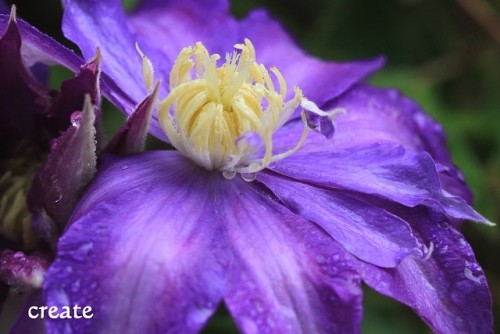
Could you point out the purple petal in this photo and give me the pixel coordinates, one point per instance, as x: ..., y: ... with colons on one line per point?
x: 288, y: 275
x: 131, y: 138
x: 22, y: 98
x: 145, y: 250
x: 103, y: 24
x: 40, y: 48
x: 321, y: 81
x: 377, y: 115
x: 453, y: 181
x: 381, y: 116
x: 448, y: 290
x: 174, y: 24
x: 384, y: 170
x: 368, y: 232
x: 69, y: 168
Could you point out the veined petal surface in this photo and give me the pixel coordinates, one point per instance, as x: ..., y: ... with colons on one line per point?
x: 288, y: 275
x: 40, y: 48
x: 143, y: 263
x: 364, y: 230
x: 384, y: 170
x: 448, y: 289
x: 381, y: 116
x: 171, y: 25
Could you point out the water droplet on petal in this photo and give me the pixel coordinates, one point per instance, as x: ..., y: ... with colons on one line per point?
x: 83, y: 252
x: 75, y: 286
x: 248, y: 177
x: 75, y: 118
x: 229, y: 174
x: 471, y: 277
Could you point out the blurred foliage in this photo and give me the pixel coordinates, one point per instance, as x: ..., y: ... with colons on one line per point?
x: 444, y: 54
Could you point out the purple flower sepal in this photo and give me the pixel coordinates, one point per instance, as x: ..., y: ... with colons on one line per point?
x: 23, y: 100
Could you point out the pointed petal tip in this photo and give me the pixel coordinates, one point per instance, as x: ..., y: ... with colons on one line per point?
x: 12, y: 28
x: 13, y: 13
x: 489, y: 222
x: 131, y: 137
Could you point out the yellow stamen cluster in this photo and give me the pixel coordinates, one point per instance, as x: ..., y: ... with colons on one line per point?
x: 223, y: 118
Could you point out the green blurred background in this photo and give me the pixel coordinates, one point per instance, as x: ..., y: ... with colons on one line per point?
x: 443, y: 53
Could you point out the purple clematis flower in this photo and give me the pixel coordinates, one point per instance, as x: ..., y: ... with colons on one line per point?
x: 248, y: 211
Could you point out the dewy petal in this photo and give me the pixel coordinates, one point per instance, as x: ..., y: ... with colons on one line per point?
x: 321, y: 81
x: 145, y: 250
x: 366, y: 231
x: 95, y: 23
x: 103, y: 24
x: 384, y: 170
x: 171, y: 25
x: 70, y: 166
x: 385, y: 116
x: 288, y: 275
x: 375, y: 115
x: 448, y: 289
x: 40, y: 48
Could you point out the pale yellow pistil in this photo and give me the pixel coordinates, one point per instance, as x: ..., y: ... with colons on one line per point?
x: 223, y: 118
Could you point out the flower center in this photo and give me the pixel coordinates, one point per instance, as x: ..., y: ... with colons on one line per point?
x: 223, y: 118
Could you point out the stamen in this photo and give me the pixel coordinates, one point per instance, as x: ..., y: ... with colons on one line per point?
x: 428, y: 251
x: 319, y: 120
x: 223, y: 118
x: 147, y: 69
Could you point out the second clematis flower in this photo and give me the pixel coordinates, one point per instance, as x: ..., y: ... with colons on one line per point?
x: 253, y: 209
